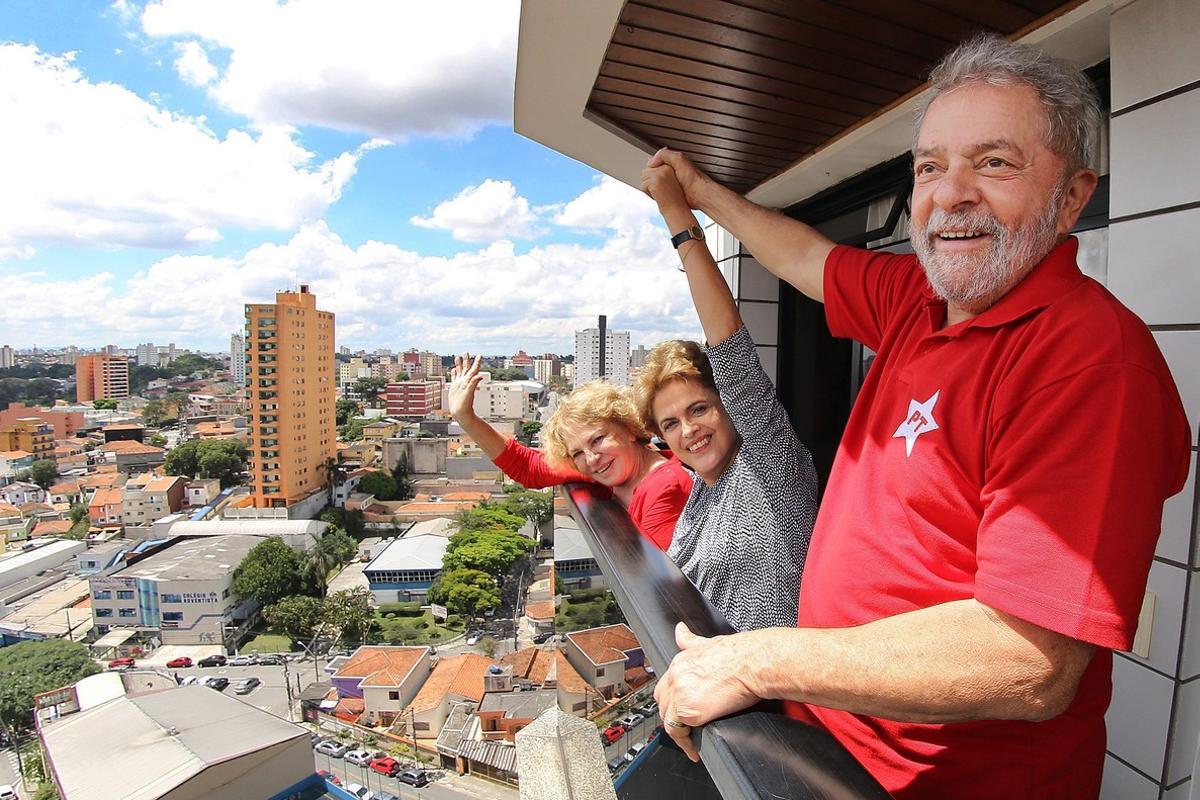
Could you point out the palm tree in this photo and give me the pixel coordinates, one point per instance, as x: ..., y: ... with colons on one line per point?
x: 335, y: 475
x: 320, y: 561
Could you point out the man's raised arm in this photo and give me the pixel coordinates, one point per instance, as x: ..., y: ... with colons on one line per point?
x: 790, y: 249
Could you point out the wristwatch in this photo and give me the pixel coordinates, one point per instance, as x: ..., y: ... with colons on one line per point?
x: 686, y: 235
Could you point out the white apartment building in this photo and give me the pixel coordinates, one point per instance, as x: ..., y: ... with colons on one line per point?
x: 7, y: 357
x: 506, y: 400
x: 602, y: 353
x: 184, y: 591
x: 146, y: 355
x: 637, y: 358
x: 237, y: 359
x: 543, y: 369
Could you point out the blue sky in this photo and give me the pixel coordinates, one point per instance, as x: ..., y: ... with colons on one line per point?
x: 179, y: 158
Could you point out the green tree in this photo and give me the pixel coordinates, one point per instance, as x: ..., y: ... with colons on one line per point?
x: 370, y: 388
x: 465, y: 591
x: 328, y: 552
x: 404, y: 487
x: 209, y: 458
x: 379, y: 483
x: 528, y: 431
x: 349, y: 612
x: 41, y: 392
x: 344, y: 409
x: 104, y: 403
x: 493, y: 552
x: 157, y: 440
x: 157, y: 412
x: 535, y: 506
x: 352, y: 431
x: 297, y: 616
x: 45, y: 791
x: 43, y: 473
x: 269, y: 572
x: 79, y: 511
x: 33, y: 667
x: 488, y: 516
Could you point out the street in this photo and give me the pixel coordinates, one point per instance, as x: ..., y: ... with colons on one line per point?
x: 448, y: 787
x: 638, y: 733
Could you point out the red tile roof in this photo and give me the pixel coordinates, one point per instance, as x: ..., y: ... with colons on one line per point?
x: 461, y: 675
x: 381, y: 666
x: 130, y: 447
x: 607, y: 644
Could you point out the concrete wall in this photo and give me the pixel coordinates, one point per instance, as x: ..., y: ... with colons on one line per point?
x: 1154, y: 720
x: 425, y: 456
x: 260, y: 774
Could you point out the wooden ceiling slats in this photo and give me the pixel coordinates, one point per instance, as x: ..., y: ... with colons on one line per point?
x: 836, y: 16
x: 656, y: 133
x: 749, y: 87
x: 783, y: 39
x: 720, y: 73
x: 819, y: 118
x: 750, y: 124
x: 676, y: 123
x: 996, y: 15
x: 717, y: 105
x: 752, y: 63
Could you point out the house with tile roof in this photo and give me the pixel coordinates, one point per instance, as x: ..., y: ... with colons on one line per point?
x: 14, y: 461
x: 18, y: 493
x: 148, y: 498
x: 453, y: 680
x: 14, y: 528
x: 385, y: 678
x: 602, y: 656
x: 65, y: 491
x: 132, y: 456
x: 104, y: 509
x: 548, y: 668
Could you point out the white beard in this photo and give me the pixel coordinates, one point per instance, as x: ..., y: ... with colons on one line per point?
x: 974, y: 281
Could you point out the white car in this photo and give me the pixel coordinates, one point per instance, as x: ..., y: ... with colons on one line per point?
x: 361, y: 758
x: 632, y: 752
x: 187, y: 681
x: 243, y: 661
x: 472, y: 639
x: 357, y: 789
x: 7, y: 792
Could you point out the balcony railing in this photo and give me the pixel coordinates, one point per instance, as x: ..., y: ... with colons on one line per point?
x: 752, y: 755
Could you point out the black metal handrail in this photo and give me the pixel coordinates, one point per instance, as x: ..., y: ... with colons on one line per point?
x: 757, y: 753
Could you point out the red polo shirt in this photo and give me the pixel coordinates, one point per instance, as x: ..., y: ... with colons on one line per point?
x: 1020, y: 458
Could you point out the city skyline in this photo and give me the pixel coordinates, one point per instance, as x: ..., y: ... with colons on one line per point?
x: 203, y: 162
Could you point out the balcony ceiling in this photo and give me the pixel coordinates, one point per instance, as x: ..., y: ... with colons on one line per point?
x: 752, y: 89
x: 748, y: 88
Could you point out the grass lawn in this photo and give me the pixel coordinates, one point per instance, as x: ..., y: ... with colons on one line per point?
x: 267, y: 641
x: 417, y: 629
x: 587, y: 608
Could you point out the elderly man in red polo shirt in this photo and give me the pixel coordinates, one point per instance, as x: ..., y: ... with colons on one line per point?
x: 985, y: 538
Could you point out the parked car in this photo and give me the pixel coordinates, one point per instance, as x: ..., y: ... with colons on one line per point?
x: 329, y: 776
x: 246, y: 685
x: 243, y: 661
x: 630, y: 720
x: 414, y: 777
x: 332, y: 748
x: 384, y: 796
x: 216, y: 660
x: 647, y: 710
x: 188, y: 680
x: 182, y: 661
x: 616, y: 763
x: 632, y: 752
x: 612, y: 733
x: 273, y: 659
x: 472, y: 639
x: 7, y: 792
x: 385, y: 766
x: 357, y: 789
x: 123, y: 661
x: 542, y: 638
x: 361, y: 758
x: 315, y: 739
x: 219, y: 683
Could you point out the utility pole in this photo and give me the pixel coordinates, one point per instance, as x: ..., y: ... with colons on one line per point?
x: 287, y: 683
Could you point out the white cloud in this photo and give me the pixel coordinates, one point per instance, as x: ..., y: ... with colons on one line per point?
x: 484, y: 213
x: 193, y: 66
x: 609, y: 204
x: 94, y: 164
x: 386, y: 68
x: 490, y: 299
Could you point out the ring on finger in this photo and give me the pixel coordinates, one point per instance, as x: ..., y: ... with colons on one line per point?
x: 674, y: 723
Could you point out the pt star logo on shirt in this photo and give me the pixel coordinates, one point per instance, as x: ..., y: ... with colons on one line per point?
x: 919, y: 420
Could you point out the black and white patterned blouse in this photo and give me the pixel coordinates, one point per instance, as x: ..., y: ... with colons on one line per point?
x: 743, y: 540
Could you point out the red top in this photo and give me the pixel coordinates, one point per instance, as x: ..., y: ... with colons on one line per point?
x: 1020, y: 458
x: 657, y: 500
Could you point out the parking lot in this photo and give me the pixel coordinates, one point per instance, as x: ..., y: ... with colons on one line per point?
x: 270, y: 695
x: 639, y: 732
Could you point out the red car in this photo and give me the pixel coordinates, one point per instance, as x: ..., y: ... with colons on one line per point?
x: 182, y: 661
x: 123, y: 661
x: 612, y: 733
x: 386, y: 765
x: 329, y: 776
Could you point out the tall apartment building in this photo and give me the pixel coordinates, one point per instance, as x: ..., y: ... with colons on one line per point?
x: 637, y: 358
x: 290, y: 394
x: 101, y: 377
x: 431, y: 365
x: 237, y: 359
x: 413, y: 399
x: 31, y: 435
x: 352, y: 370
x: 544, y: 368
x: 7, y: 357
x: 602, y: 353
x: 146, y: 355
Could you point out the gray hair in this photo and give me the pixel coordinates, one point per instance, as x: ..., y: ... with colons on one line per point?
x: 1068, y: 99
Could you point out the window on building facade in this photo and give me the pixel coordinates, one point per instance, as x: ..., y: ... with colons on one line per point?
x: 172, y: 616
x: 124, y: 594
x: 103, y: 612
x: 128, y: 612
x: 171, y: 597
x: 102, y: 594
x: 393, y: 695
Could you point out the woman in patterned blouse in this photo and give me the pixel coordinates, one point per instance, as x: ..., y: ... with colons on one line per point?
x: 743, y: 536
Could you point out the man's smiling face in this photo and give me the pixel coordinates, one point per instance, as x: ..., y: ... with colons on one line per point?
x: 990, y: 199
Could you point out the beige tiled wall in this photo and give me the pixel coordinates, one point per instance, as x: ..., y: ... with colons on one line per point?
x: 1154, y: 267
